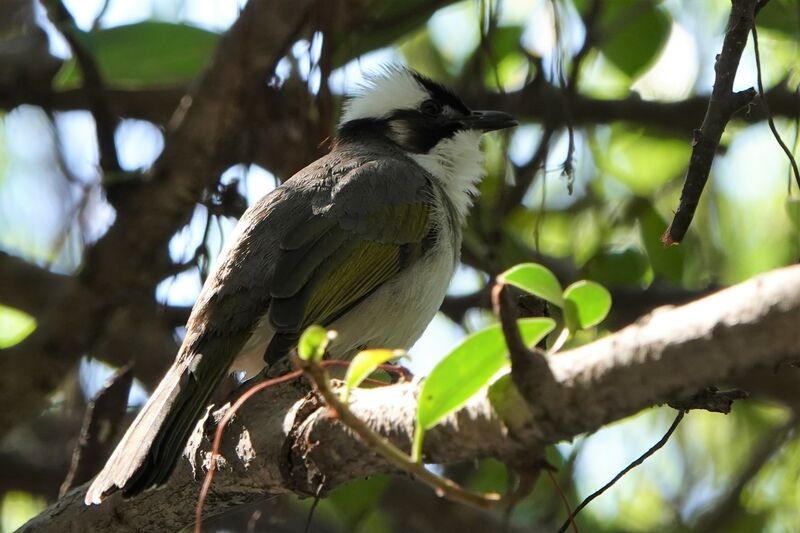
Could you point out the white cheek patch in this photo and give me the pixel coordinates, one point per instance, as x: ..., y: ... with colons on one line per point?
x: 388, y: 89
x: 457, y: 163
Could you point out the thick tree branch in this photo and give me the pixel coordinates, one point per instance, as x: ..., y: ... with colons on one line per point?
x: 721, y: 107
x: 283, y: 440
x: 536, y: 102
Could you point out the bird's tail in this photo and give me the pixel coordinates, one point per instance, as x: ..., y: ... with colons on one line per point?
x: 151, y: 447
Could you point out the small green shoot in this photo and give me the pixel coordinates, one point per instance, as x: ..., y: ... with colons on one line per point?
x: 364, y: 364
x: 313, y: 343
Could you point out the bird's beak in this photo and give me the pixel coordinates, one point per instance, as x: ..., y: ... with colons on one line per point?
x: 488, y: 121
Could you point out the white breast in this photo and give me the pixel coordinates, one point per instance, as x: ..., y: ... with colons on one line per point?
x: 457, y: 165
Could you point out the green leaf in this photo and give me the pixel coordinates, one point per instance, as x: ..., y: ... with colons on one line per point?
x: 587, y: 304
x: 15, y: 325
x: 364, y: 364
x: 535, y: 279
x: 465, y: 370
x: 144, y: 54
x: 633, y: 33
x: 313, y: 343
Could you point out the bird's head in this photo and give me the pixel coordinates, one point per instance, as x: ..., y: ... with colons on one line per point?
x: 414, y: 112
x: 429, y: 122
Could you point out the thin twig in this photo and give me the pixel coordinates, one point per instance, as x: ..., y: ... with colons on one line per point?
x: 105, y: 120
x: 565, y: 501
x: 570, y: 87
x: 525, y: 174
x: 771, y: 122
x: 317, y: 498
x: 657, y: 446
x: 488, y: 24
x: 796, y: 141
x: 722, y: 104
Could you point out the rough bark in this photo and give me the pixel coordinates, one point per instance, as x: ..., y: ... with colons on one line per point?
x: 285, y: 441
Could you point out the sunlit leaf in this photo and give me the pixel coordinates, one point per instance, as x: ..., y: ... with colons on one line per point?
x: 535, y: 279
x: 312, y: 343
x: 586, y: 304
x: 364, y: 364
x: 468, y: 368
x: 15, y: 325
x: 144, y: 54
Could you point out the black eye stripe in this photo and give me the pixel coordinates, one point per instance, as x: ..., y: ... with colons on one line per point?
x: 431, y: 107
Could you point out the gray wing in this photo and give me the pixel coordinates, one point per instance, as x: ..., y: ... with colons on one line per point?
x: 316, y: 246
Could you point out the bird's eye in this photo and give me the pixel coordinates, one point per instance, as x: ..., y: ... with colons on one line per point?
x: 431, y: 108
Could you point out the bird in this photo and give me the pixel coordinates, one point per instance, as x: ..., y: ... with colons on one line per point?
x: 363, y: 241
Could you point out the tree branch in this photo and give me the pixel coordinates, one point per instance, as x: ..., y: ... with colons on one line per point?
x: 284, y: 440
x: 537, y: 102
x: 721, y: 107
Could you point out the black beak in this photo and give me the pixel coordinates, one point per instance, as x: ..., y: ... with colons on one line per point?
x: 488, y: 121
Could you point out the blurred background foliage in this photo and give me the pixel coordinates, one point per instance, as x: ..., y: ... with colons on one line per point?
x: 602, y: 220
